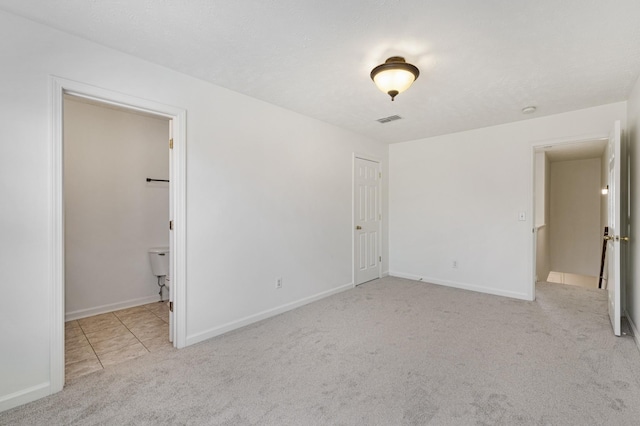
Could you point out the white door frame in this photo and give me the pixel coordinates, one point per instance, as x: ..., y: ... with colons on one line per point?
x: 548, y: 144
x: 59, y: 87
x: 353, y: 211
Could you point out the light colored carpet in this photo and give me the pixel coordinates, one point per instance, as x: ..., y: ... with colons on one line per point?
x: 389, y: 352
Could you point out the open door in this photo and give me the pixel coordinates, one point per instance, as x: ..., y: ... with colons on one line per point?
x: 615, y: 228
x: 172, y: 245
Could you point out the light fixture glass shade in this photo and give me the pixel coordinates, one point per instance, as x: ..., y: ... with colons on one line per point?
x: 398, y: 80
x: 605, y: 191
x: 394, y: 76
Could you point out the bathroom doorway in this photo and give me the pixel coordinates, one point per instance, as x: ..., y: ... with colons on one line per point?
x: 116, y: 198
x: 139, y: 305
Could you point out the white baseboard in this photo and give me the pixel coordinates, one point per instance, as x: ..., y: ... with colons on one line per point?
x: 26, y: 395
x: 385, y: 274
x: 463, y: 286
x: 83, y: 313
x: 225, y: 328
x: 636, y: 335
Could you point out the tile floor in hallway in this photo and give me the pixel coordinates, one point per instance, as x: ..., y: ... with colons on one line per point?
x: 104, y: 340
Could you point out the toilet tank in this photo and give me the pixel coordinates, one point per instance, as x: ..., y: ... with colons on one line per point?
x: 159, y: 258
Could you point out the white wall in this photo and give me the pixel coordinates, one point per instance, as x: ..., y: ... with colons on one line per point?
x: 604, y: 178
x: 112, y: 215
x: 457, y: 197
x: 269, y: 193
x: 575, y: 240
x: 541, y: 178
x: 542, y: 213
x: 632, y: 293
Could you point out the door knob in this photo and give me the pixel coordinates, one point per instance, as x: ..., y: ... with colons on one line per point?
x: 358, y: 227
x: 624, y: 238
x: 609, y: 237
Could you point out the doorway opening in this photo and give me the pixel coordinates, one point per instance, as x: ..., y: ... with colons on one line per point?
x: 64, y: 93
x: 116, y: 204
x: 613, y: 208
x: 570, y: 212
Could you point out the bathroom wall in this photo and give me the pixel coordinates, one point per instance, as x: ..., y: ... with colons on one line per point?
x: 112, y: 215
x: 575, y: 235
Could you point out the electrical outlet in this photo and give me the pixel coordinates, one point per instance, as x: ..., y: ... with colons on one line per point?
x: 454, y: 264
x: 279, y: 282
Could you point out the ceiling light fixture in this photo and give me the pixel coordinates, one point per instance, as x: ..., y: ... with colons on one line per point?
x: 394, y: 76
x: 529, y: 110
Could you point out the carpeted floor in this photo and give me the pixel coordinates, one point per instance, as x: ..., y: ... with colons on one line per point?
x: 390, y: 352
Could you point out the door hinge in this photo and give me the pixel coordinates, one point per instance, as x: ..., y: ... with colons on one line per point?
x: 171, y: 143
x: 379, y: 174
x: 170, y: 306
x: 170, y: 225
x: 380, y: 258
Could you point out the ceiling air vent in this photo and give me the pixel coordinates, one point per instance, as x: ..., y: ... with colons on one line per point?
x: 388, y: 119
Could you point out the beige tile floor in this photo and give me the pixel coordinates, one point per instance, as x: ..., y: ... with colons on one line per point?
x: 100, y: 341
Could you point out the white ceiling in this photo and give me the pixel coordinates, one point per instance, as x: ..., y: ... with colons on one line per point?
x: 575, y: 151
x: 481, y: 62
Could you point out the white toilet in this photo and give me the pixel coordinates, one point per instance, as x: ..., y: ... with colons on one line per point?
x: 159, y: 258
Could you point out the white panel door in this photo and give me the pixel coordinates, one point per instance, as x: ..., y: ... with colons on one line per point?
x: 367, y: 220
x: 172, y: 245
x: 614, y: 219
